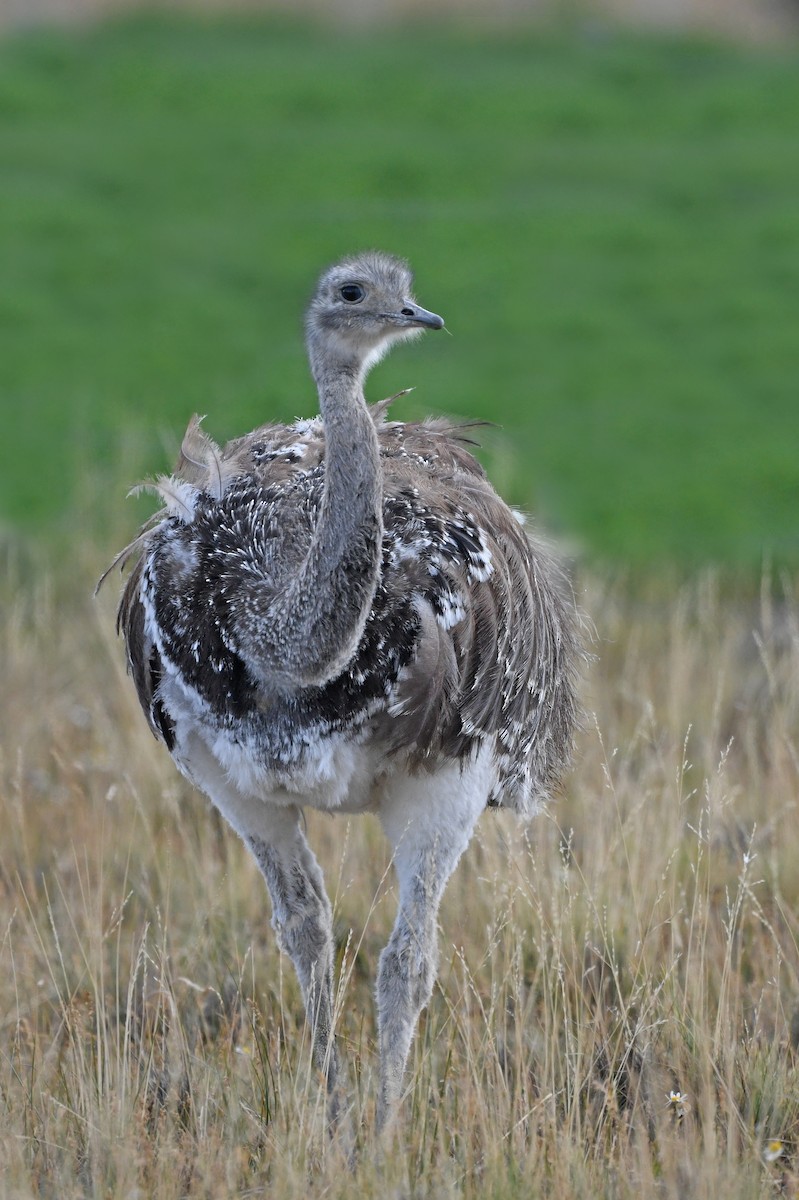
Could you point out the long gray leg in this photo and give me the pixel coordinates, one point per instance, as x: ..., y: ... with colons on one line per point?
x: 429, y: 822
x: 303, y: 922
x: 301, y: 913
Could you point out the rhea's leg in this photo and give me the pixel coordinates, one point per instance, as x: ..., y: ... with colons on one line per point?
x: 303, y: 922
x: 429, y: 821
x: 301, y: 913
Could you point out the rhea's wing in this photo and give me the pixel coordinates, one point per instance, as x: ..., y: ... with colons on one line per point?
x: 144, y: 662
x: 502, y: 634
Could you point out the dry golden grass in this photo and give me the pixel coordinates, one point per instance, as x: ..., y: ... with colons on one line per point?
x: 638, y: 940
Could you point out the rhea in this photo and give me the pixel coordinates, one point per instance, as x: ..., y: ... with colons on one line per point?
x: 343, y: 614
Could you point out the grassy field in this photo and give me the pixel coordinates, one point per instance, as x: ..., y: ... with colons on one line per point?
x: 609, y: 225
x: 639, y: 940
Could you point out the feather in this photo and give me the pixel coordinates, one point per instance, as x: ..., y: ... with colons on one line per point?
x: 195, y: 447
x: 426, y: 688
x: 179, y: 497
x: 380, y: 409
x: 127, y: 552
x: 202, y: 462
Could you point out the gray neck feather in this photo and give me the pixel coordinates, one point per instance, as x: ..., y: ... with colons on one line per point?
x: 324, y: 610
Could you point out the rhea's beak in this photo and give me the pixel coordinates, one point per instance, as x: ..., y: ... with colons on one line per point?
x: 414, y: 314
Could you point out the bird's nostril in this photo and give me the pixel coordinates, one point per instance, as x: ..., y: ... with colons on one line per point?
x: 408, y: 312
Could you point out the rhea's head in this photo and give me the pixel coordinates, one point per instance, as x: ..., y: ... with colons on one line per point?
x: 360, y: 308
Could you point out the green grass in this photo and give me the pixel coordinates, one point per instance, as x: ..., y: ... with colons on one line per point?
x: 609, y: 225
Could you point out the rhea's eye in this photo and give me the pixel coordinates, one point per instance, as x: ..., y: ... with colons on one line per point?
x: 352, y: 293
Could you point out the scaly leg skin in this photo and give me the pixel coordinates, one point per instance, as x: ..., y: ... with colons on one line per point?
x: 429, y: 823
x: 303, y: 922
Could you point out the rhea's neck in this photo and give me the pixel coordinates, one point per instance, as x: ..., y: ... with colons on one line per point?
x: 353, y: 489
x: 332, y: 595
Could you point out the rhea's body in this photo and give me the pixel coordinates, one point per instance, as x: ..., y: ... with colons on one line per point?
x: 444, y: 661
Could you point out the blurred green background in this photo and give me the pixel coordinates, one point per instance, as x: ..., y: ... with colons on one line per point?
x: 608, y: 222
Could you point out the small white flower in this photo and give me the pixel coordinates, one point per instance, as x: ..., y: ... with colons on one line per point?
x: 677, y: 1103
x: 774, y: 1149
